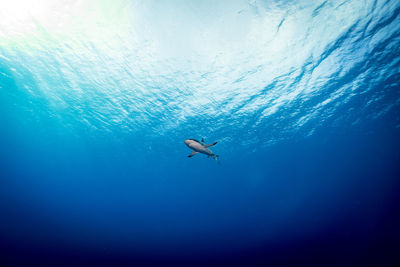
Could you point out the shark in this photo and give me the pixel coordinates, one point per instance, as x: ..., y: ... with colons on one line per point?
x: 201, y: 147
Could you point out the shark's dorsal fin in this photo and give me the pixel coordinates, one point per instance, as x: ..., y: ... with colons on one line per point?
x: 202, y: 141
x: 213, y: 144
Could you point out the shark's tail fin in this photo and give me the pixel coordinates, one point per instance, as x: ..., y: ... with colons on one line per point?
x: 216, y: 157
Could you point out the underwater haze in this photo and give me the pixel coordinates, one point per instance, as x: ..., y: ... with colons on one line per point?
x: 97, y: 98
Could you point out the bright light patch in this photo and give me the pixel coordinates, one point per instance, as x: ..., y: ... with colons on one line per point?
x: 25, y: 23
x: 19, y: 16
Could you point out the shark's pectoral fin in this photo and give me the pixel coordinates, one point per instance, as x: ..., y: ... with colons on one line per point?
x: 213, y: 144
x: 192, y: 154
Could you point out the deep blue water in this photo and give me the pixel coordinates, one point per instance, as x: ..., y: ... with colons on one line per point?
x: 97, y: 97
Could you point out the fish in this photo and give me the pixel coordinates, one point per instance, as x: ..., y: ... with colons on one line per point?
x: 201, y: 147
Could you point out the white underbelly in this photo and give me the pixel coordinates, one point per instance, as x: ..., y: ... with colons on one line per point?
x: 201, y: 149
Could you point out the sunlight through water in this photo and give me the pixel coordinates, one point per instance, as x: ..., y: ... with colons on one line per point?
x: 249, y: 64
x: 98, y: 96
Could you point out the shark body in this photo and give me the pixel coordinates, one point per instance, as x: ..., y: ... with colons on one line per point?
x: 200, y: 147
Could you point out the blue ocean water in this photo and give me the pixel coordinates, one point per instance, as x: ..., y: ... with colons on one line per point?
x: 97, y: 97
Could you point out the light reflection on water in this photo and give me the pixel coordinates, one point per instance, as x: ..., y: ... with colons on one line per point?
x: 248, y: 65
